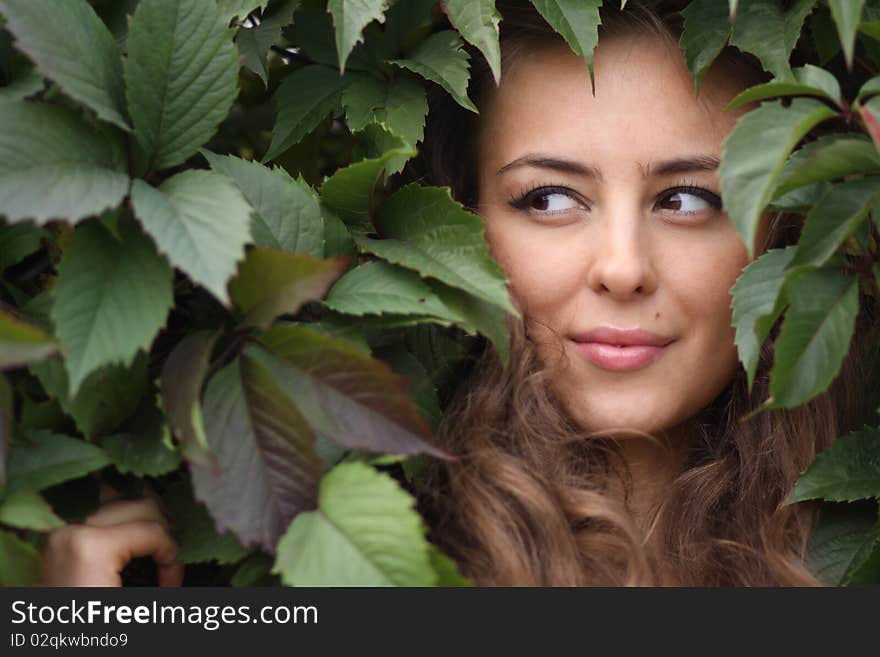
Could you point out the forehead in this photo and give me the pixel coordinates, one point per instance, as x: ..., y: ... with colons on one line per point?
x: 645, y: 104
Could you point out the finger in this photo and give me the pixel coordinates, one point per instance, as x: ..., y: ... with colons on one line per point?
x: 124, y: 511
x: 170, y: 574
x: 144, y: 538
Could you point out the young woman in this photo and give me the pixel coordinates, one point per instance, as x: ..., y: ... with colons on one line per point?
x: 610, y: 451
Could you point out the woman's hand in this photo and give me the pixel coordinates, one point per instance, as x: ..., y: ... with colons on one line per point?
x: 94, y: 553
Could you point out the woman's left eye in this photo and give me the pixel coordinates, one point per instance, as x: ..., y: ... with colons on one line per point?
x: 689, y: 200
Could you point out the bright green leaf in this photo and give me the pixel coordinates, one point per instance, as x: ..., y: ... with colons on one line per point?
x: 350, y: 17
x: 181, y: 75
x: 110, y: 300
x: 20, y: 563
x: 303, y: 99
x: 200, y: 220
x: 477, y: 22
x: 846, y: 14
x: 447, y: 572
x: 288, y: 215
x: 577, y: 21
x: 365, y: 532
x: 71, y: 46
x: 28, y: 510
x: 441, y: 58
x: 756, y: 306
x: 48, y: 459
x: 869, y: 88
x: 828, y: 158
x: 815, y: 335
x: 754, y: 155
x: 849, y: 470
x: 55, y: 166
x: 809, y: 80
x: 21, y: 343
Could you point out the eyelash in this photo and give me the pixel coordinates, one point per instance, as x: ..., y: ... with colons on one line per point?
x: 526, y: 195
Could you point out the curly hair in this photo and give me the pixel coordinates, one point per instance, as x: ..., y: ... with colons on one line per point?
x: 534, y: 501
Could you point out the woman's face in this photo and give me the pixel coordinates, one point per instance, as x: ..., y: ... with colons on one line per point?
x: 605, y: 214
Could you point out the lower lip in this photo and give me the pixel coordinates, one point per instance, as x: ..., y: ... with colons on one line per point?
x: 619, y: 359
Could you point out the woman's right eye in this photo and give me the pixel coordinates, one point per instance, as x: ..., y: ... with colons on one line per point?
x: 548, y: 201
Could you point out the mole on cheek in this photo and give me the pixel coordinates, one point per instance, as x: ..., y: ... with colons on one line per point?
x: 657, y: 316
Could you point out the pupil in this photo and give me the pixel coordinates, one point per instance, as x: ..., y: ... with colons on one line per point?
x: 540, y: 202
x: 675, y: 201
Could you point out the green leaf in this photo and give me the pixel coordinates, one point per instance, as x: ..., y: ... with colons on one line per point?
x: 347, y: 396
x: 303, y: 99
x: 255, y: 570
x: 865, y: 567
x: 254, y: 42
x: 421, y: 388
x: 194, y: 529
x: 365, y: 532
x: 272, y: 283
x: 754, y: 155
x: 28, y: 510
x: 337, y: 239
x: 870, y: 112
x: 267, y: 468
x: 22, y: 87
x: 400, y: 107
x: 20, y: 563
x: 142, y: 446
x: 110, y: 300
x: 849, y: 470
x: 756, y: 304
x: 22, y: 343
x: 837, y: 216
x: 477, y: 22
x: 706, y: 30
x: 765, y: 29
x: 7, y: 426
x: 577, y: 21
x: 382, y: 288
x: 828, y: 158
x: 181, y: 76
x: 18, y: 241
x: 71, y: 46
x: 434, y: 235
x: 809, y: 80
x: 447, y: 572
x: 48, y: 459
x: 349, y: 191
x: 183, y: 375
x: 350, y: 17
x: 841, y: 533
x: 815, y: 335
x: 106, y: 398
x: 54, y: 166
x: 869, y: 88
x: 200, y: 220
x: 288, y: 215
x: 441, y: 58
x: 846, y: 14
x: 824, y: 34
x: 240, y: 9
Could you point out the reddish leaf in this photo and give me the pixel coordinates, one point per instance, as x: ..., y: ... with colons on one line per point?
x: 268, y: 467
x: 347, y: 396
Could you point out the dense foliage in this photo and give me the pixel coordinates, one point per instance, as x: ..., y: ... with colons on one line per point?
x: 215, y: 286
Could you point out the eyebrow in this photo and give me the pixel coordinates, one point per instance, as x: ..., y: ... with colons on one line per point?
x: 687, y: 164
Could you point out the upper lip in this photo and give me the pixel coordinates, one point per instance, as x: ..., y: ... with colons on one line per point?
x: 626, y: 337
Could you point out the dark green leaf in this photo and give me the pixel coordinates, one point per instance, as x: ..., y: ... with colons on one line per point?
x: 7, y: 425
x: 828, y: 158
x: 808, y: 80
x: 240, y: 9
x: 706, y: 30
x: 350, y: 17
x: 48, y: 459
x: 365, y: 532
x: 110, y: 300
x: 849, y: 470
x: 254, y: 42
x: 55, y: 166
x: 272, y: 283
x: 18, y: 241
x: 28, y: 510
x: 200, y: 220
x: 71, y: 46
x: 754, y: 155
x: 303, y: 99
x: 770, y: 32
x: 846, y: 14
x: 142, y: 446
x: 815, y: 335
x: 441, y: 58
x: 181, y: 75
x: 400, y: 107
x: 841, y: 532
x: 288, y: 215
x: 477, y: 21
x: 268, y: 469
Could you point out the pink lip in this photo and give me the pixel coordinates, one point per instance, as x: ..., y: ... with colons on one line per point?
x: 639, y: 348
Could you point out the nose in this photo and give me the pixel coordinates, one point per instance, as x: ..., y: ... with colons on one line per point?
x: 623, y: 267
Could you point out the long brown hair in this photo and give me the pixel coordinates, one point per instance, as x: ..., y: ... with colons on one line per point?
x: 530, y: 501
